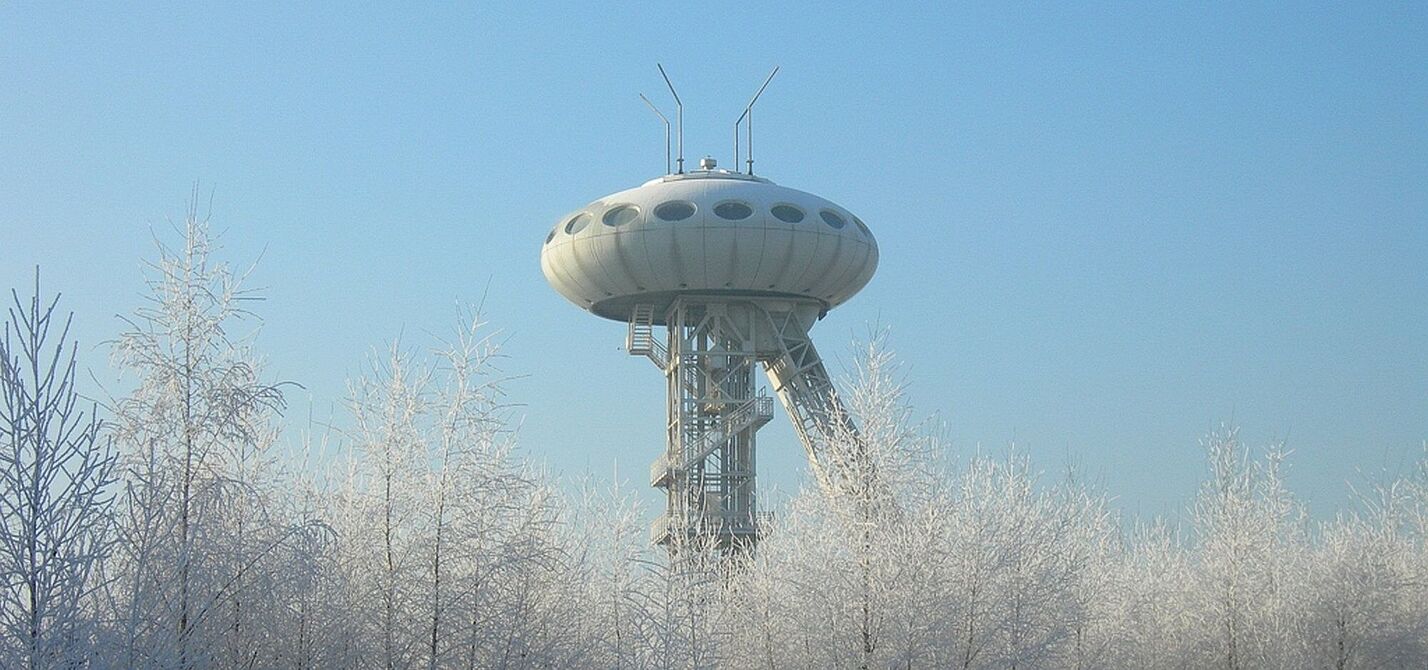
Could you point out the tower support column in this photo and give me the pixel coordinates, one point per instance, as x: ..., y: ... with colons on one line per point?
x: 713, y: 413
x: 712, y: 348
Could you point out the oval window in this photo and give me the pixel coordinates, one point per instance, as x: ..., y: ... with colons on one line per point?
x: 733, y: 210
x: 620, y: 215
x: 787, y: 213
x: 675, y: 211
x: 577, y: 223
x: 862, y: 226
x: 832, y: 219
x: 551, y: 236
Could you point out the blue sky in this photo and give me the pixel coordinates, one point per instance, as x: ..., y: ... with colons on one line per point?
x: 1104, y: 228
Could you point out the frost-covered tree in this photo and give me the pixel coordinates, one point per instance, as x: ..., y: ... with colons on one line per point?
x: 423, y: 538
x: 1364, y: 605
x: 388, y: 407
x: 56, y: 471
x: 311, y: 607
x: 912, y: 563
x: 1146, y: 610
x: 452, y: 542
x: 1248, y: 535
x: 199, y: 540
x: 605, y: 527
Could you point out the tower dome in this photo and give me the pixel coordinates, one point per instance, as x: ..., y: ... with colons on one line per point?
x: 709, y: 232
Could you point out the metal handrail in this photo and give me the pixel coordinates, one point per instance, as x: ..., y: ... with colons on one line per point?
x: 757, y: 410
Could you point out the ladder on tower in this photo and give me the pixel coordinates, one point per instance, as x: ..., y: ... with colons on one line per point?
x: 641, y: 340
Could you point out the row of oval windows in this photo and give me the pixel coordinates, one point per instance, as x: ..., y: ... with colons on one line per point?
x: 679, y: 210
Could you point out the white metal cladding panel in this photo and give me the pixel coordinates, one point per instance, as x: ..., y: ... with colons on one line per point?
x: 819, y: 253
x: 713, y: 251
x: 822, y: 279
x: 831, y: 249
x: 623, y: 249
x: 556, y: 278
x: 661, y: 249
x: 640, y: 262
x: 555, y: 273
x: 777, y: 253
x: 587, y: 266
x: 866, y: 274
x: 564, y: 259
x: 586, y: 248
x: 838, y: 281
x: 748, y: 253
x: 568, y: 269
x: 805, y: 253
x: 687, y: 255
x: 555, y: 264
x: 593, y: 247
x: 629, y: 248
x: 720, y: 255
x: 842, y: 283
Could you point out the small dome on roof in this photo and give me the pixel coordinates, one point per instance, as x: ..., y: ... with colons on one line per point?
x: 707, y: 232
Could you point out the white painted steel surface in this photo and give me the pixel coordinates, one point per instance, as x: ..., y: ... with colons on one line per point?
x: 608, y: 269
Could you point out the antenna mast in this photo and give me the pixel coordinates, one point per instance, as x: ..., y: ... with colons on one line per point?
x: 749, y: 114
x: 678, y: 116
x: 666, y: 130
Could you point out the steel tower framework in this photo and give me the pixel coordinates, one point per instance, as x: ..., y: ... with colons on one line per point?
x: 712, y: 346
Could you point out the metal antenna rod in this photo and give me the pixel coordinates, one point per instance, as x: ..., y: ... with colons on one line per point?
x: 749, y: 133
x: 736, y: 140
x: 666, y: 130
x: 749, y: 114
x: 678, y: 115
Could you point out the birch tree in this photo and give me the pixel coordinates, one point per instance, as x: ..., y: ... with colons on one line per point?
x: 388, y: 408
x: 1248, y: 541
x: 452, y: 539
x: 56, y: 472
x: 191, y: 432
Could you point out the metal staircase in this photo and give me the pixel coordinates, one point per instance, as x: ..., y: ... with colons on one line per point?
x: 641, y: 340
x: 752, y: 414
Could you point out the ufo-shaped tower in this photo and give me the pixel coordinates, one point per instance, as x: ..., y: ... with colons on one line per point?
x: 736, y: 269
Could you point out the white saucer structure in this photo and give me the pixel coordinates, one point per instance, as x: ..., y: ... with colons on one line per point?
x: 736, y: 269
x: 709, y: 232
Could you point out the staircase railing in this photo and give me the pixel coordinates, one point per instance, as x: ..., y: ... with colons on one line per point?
x: 641, y: 340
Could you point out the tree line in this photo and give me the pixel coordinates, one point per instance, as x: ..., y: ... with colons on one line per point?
x: 175, y: 526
